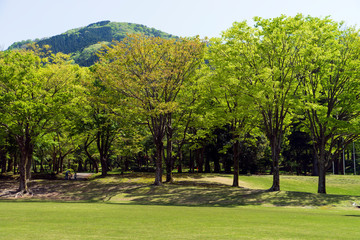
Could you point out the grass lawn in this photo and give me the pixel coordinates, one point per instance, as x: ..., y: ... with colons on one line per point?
x: 195, y: 206
x: 64, y: 220
x: 335, y: 184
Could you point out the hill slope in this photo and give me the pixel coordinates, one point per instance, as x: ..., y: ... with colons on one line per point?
x: 83, y: 42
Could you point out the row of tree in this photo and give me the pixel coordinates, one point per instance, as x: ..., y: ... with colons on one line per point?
x: 250, y: 84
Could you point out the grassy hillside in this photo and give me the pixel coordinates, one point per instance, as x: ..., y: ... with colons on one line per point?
x: 83, y: 42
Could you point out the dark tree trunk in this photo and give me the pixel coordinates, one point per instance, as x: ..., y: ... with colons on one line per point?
x: 315, y: 169
x: 169, y: 148
x: 23, y: 187
x: 207, y: 164
x: 42, y: 165
x: 10, y: 164
x: 158, y: 163
x: 61, y: 160
x: 55, y: 161
x: 200, y: 159
x: 322, y: 168
x: 3, y: 159
x: 322, y: 178
x: 191, y: 162
x: 180, y: 162
x: 236, y: 153
x: 275, y: 153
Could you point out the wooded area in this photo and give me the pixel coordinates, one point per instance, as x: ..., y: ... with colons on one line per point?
x: 282, y: 95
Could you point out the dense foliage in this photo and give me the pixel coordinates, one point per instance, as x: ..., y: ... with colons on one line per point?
x: 281, y: 95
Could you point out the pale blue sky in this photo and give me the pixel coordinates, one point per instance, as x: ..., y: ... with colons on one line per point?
x: 30, y: 19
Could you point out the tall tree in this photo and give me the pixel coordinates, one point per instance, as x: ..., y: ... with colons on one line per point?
x: 150, y: 71
x: 267, y: 58
x: 227, y: 94
x: 33, y: 93
x: 331, y: 90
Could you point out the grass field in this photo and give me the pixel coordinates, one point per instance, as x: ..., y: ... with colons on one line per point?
x: 54, y: 220
x: 201, y: 206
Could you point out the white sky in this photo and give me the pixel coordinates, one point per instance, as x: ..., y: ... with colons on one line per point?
x: 30, y: 19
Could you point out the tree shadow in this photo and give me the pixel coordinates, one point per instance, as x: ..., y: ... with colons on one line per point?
x: 128, y: 190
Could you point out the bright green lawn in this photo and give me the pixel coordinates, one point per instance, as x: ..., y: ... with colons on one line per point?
x: 335, y: 184
x: 52, y: 220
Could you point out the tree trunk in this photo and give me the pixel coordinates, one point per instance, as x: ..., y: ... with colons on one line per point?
x: 275, y: 153
x: 169, y: 148
x: 101, y: 142
x: 180, y: 162
x: 104, y: 167
x: 26, y: 150
x: 200, y: 159
x: 236, y: 148
x: 321, y: 168
x: 22, y: 168
x: 322, y: 178
x: 191, y: 162
x: 10, y: 164
x: 30, y: 151
x: 207, y: 164
x: 3, y: 160
x: 61, y: 160
x: 158, y: 163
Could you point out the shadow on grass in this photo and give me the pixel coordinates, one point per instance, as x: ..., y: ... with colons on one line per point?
x: 135, y: 189
x: 225, y: 196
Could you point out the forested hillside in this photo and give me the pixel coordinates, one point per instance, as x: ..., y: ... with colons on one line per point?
x: 84, y: 42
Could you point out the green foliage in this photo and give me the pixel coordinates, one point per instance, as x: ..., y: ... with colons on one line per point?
x: 85, y: 41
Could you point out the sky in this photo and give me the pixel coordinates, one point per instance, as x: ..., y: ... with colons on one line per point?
x: 31, y: 19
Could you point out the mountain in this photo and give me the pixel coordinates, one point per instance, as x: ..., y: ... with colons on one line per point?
x: 82, y: 43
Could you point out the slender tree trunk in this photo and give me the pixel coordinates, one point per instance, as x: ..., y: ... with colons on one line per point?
x: 180, y: 162
x: 236, y: 148
x: 55, y: 162
x: 101, y: 142
x: 169, y: 148
x: 30, y: 151
x: 191, y: 162
x: 16, y: 164
x: 61, y: 160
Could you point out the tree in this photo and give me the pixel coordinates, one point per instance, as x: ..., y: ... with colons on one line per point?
x: 150, y: 72
x: 266, y: 58
x: 225, y: 89
x: 34, y: 91
x: 331, y: 90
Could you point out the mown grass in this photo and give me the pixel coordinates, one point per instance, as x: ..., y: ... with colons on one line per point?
x: 195, y: 206
x: 64, y: 220
x: 335, y: 184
